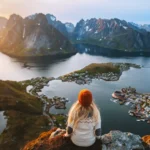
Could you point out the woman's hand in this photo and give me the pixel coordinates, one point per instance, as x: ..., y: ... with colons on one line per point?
x: 66, y: 135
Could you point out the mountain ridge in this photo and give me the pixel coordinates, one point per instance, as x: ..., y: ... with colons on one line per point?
x: 30, y: 37
x: 33, y: 37
x: 111, y: 33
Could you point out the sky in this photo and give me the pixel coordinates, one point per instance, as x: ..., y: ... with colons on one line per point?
x: 137, y: 11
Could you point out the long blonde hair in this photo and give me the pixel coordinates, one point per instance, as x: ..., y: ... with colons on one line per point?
x: 78, y: 112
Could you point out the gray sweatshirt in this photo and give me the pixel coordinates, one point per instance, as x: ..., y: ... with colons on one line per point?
x: 86, y: 132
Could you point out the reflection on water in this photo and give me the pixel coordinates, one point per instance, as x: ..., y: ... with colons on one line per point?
x: 3, y: 122
x: 97, y: 50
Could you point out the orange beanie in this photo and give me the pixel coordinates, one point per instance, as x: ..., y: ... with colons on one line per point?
x: 85, y: 97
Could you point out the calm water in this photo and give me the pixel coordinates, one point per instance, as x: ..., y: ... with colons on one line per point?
x: 3, y: 121
x: 114, y: 116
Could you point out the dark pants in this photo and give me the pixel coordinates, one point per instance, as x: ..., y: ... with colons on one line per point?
x: 70, y: 146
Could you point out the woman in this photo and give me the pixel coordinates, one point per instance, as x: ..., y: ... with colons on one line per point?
x: 84, y: 121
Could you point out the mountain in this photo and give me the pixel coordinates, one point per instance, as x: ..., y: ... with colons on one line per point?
x: 33, y: 36
x: 57, y: 24
x: 113, y: 34
x: 39, y: 34
x: 70, y: 27
x: 3, y: 22
x: 54, y: 22
x: 138, y: 26
x: 146, y: 27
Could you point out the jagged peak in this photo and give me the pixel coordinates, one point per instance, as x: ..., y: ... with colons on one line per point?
x: 52, y: 17
x: 15, y: 17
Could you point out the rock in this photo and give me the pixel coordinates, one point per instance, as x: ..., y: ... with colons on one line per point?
x: 80, y: 81
x: 105, y: 78
x: 76, y: 75
x: 114, y: 140
x: 56, y: 133
x: 114, y: 78
x: 117, y: 140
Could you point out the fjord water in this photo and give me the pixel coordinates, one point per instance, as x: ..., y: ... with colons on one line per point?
x: 114, y: 116
x: 3, y: 121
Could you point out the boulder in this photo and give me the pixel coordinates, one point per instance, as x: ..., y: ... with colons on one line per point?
x: 117, y: 140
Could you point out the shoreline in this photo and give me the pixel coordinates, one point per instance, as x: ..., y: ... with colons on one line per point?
x: 53, y: 56
x: 34, y: 86
x: 107, y: 72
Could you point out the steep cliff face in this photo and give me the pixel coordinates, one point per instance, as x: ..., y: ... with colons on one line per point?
x: 65, y: 28
x: 32, y: 37
x: 57, y: 24
x: 113, y: 33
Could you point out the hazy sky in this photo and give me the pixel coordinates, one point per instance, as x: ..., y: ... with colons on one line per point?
x: 137, y: 11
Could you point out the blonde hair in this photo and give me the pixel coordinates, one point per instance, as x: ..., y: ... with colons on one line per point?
x: 78, y: 112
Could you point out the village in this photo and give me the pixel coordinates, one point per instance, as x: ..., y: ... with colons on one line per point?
x: 139, y: 102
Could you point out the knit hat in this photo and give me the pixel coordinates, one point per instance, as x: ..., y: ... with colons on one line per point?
x: 85, y: 97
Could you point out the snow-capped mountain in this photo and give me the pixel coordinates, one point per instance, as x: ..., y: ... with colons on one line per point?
x: 139, y: 26
x: 33, y: 36
x: 41, y: 34
x: 113, y: 33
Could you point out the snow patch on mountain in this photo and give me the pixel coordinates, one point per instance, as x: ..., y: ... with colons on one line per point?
x: 87, y: 28
x: 125, y: 27
x: 53, y: 18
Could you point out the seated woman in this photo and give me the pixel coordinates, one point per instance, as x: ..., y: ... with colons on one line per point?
x: 84, y: 121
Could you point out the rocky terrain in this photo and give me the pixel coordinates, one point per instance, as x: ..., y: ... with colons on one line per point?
x: 114, y: 140
x: 33, y: 37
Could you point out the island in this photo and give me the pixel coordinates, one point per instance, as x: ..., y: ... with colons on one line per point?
x: 139, y: 102
x: 104, y: 71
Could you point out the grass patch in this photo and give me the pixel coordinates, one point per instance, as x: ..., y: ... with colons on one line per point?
x: 100, y: 68
x: 13, y: 96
